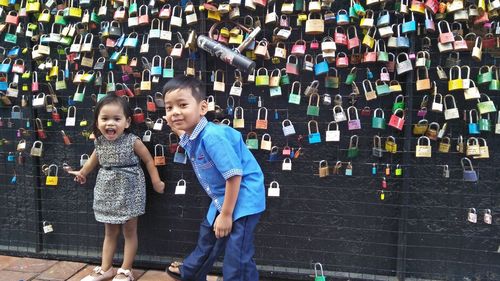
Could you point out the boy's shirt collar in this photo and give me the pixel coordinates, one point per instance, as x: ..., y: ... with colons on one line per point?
x: 197, y: 130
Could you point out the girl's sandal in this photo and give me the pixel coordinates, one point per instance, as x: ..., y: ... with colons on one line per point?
x: 124, y: 272
x: 176, y: 275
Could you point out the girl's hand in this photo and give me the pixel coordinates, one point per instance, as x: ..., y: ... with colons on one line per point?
x: 79, y: 177
x: 223, y: 225
x: 159, y: 187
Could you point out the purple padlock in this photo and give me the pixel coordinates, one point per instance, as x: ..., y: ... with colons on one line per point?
x: 422, y: 112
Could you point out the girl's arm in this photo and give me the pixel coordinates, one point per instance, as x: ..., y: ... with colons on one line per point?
x: 90, y: 164
x: 142, y: 151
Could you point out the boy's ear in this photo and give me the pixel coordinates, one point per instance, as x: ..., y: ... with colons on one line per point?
x: 203, y: 107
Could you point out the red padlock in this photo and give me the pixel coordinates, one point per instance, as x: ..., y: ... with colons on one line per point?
x: 150, y: 104
x: 55, y: 115
x: 396, y: 121
x: 138, y: 115
x: 39, y: 129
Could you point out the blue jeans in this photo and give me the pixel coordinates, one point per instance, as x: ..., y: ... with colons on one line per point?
x: 238, y: 258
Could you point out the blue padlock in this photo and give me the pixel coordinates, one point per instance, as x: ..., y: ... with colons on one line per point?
x: 469, y: 174
x: 409, y: 26
x: 474, y: 129
x: 274, y: 154
x: 384, y: 19
x: 11, y: 157
x: 252, y: 99
x: 369, y: 74
x: 314, y: 137
x: 13, y: 180
x: 180, y: 157
x: 320, y: 67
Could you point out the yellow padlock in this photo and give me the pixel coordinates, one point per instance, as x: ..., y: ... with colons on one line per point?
x: 52, y: 178
x: 83, y: 123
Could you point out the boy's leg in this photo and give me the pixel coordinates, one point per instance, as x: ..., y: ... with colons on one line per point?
x: 238, y: 259
x: 198, y: 264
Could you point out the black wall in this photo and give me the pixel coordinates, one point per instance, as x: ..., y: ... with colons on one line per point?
x: 420, y: 229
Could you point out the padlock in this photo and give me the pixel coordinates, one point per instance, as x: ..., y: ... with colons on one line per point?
x: 52, y: 177
x: 471, y: 215
x: 314, y: 136
x: 252, y: 142
x: 47, y: 227
x: 159, y: 155
x: 324, y: 170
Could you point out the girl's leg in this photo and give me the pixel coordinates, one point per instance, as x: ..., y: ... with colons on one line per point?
x: 109, y: 245
x: 130, y: 235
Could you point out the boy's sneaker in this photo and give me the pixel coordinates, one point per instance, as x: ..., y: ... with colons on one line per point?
x: 98, y: 274
x: 124, y: 275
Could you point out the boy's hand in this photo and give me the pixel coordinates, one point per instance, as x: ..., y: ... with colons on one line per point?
x: 79, y: 177
x: 159, y: 187
x: 223, y: 225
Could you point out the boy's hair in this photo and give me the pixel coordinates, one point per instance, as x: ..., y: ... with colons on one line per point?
x: 185, y: 82
x: 111, y: 99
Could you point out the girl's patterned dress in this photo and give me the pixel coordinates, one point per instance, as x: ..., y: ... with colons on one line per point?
x: 120, y: 189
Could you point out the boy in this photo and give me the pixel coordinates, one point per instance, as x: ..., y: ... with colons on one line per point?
x: 229, y: 174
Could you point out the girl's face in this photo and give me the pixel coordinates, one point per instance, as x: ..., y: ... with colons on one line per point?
x: 111, y: 121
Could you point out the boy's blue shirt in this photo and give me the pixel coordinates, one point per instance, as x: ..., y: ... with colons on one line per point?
x: 217, y: 153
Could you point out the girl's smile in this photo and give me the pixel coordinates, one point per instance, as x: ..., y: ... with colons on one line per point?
x: 111, y: 121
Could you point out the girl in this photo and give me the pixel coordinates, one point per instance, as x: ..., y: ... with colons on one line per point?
x: 119, y: 193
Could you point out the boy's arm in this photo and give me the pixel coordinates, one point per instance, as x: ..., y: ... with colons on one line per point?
x: 224, y: 221
x: 142, y: 151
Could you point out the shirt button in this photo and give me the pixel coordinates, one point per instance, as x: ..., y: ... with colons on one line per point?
x: 192, y: 158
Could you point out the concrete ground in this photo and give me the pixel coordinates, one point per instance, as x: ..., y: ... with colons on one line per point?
x: 29, y: 269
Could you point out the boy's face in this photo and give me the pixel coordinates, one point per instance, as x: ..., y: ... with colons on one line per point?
x: 183, y: 111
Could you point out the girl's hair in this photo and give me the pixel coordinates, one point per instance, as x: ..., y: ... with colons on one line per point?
x: 185, y: 82
x: 111, y: 99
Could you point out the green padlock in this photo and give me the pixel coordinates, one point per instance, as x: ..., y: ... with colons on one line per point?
x: 294, y: 96
x: 353, y: 150
x: 313, y: 107
x: 378, y: 122
x: 318, y: 272
x: 252, y: 141
x: 332, y: 81
x: 494, y: 85
x: 485, y: 124
x: 486, y: 106
x: 284, y: 79
x: 49, y: 123
x: 485, y: 75
x: 299, y: 5
x: 399, y: 103
x: 382, y: 88
x: 399, y: 171
x: 359, y: 9
x: 351, y: 76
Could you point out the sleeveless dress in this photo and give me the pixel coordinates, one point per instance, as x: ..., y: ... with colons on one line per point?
x: 120, y: 189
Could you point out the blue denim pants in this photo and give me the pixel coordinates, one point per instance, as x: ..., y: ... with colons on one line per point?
x: 238, y: 247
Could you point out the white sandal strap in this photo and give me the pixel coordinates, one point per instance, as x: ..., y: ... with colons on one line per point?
x: 126, y: 272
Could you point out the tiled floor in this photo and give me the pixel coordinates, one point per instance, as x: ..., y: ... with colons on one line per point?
x: 28, y: 269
